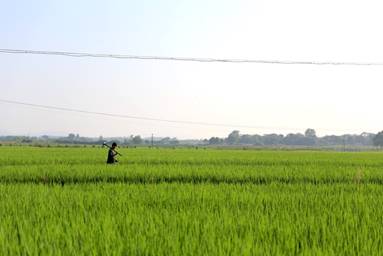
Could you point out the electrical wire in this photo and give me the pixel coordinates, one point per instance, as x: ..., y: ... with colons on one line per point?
x: 135, y: 117
x: 184, y: 122
x: 189, y: 59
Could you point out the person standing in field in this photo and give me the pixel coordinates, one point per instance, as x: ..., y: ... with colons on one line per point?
x: 112, y: 154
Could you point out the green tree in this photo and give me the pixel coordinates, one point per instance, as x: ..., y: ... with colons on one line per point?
x: 233, y: 137
x: 137, y: 140
x: 215, y: 141
x: 378, y: 139
x: 310, y: 133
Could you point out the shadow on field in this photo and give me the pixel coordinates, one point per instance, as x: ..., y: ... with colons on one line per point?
x: 190, y: 163
x: 188, y: 180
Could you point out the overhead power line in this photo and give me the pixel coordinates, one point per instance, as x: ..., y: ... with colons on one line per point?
x: 190, y: 59
x: 184, y: 122
x: 136, y: 117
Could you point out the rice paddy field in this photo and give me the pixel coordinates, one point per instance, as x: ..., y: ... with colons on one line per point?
x: 67, y: 201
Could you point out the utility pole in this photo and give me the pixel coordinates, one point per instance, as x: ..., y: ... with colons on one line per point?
x: 152, y: 139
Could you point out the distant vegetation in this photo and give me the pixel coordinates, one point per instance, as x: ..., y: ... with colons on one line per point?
x: 309, y: 138
x: 76, y: 139
x: 235, y: 138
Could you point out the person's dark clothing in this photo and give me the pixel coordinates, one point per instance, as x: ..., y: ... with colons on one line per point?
x: 111, y: 155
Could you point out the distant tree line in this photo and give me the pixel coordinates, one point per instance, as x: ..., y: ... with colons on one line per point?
x: 309, y: 138
x: 76, y: 139
x: 126, y: 141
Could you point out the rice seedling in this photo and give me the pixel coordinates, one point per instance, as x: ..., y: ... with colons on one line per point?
x: 66, y: 201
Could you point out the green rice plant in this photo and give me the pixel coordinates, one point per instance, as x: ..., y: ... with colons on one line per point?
x: 67, y: 201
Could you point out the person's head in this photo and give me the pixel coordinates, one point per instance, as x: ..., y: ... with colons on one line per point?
x: 114, y: 145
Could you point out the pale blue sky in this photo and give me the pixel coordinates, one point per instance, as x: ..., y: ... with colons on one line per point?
x: 284, y: 98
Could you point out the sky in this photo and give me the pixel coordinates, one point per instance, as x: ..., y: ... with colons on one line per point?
x: 271, y: 98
